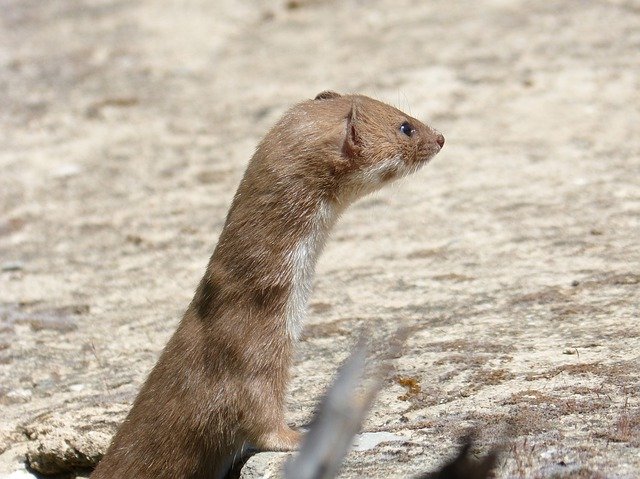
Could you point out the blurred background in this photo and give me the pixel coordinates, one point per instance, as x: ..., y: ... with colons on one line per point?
x: 513, y: 257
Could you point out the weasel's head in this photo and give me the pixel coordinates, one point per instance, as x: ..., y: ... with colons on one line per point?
x: 343, y: 147
x: 379, y: 144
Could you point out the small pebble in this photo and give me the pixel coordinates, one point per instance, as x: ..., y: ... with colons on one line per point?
x: 20, y: 395
x: 369, y: 440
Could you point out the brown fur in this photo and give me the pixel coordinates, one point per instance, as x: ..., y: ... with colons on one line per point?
x: 221, y: 380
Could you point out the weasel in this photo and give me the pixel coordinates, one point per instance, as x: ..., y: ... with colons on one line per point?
x: 221, y: 380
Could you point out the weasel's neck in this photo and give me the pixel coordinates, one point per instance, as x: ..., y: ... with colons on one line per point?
x: 264, y: 263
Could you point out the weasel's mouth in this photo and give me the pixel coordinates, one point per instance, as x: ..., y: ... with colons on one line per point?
x: 425, y: 158
x: 412, y: 167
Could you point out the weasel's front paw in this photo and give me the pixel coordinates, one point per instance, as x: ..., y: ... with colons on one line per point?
x: 282, y: 439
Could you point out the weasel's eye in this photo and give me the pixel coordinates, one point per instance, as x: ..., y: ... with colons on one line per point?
x: 406, y: 128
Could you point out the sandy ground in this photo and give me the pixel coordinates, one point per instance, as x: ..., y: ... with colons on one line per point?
x: 513, y: 258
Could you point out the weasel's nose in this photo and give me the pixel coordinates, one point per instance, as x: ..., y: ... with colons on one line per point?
x: 440, y: 140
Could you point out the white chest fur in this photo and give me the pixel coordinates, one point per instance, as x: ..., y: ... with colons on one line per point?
x: 302, y: 261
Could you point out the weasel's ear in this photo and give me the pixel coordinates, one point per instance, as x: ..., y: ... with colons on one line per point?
x: 352, y: 141
x: 327, y: 94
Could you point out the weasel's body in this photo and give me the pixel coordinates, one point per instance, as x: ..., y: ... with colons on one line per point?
x: 221, y: 380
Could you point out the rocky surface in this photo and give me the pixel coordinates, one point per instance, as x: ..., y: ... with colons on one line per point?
x: 513, y: 258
